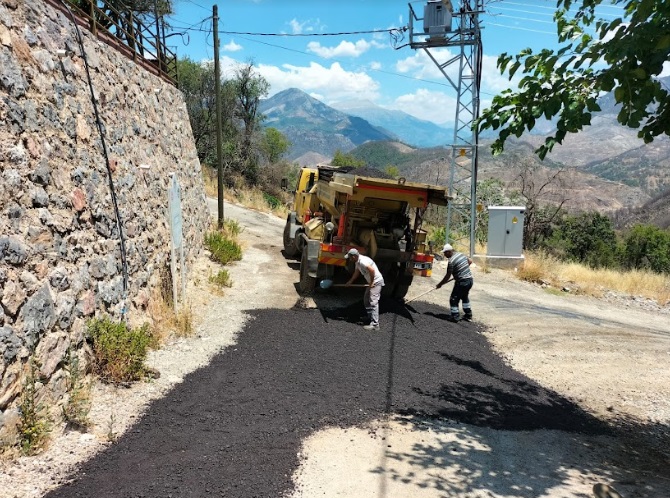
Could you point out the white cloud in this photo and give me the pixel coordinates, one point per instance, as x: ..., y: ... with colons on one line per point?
x: 344, y: 49
x: 492, y: 80
x: 666, y: 70
x: 437, y: 107
x: 332, y: 83
x: 232, y: 47
x: 308, y: 26
x: 375, y: 65
x: 421, y: 66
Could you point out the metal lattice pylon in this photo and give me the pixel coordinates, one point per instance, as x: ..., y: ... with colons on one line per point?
x: 458, y: 27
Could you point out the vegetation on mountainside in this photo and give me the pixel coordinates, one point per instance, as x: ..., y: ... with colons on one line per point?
x: 567, y: 82
x: 382, y: 154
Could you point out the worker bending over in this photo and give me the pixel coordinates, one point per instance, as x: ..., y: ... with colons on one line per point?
x: 366, y: 267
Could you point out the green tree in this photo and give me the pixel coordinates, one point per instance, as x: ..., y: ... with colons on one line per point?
x: 196, y: 81
x: 567, y: 82
x: 392, y: 171
x: 341, y: 159
x: 249, y: 89
x: 274, y: 145
x: 587, y: 238
x: 647, y: 246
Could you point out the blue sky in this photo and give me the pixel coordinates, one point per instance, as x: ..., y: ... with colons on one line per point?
x: 361, y: 66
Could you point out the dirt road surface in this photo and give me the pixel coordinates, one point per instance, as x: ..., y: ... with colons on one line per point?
x: 543, y: 396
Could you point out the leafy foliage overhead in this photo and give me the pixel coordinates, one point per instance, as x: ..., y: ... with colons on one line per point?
x: 566, y: 83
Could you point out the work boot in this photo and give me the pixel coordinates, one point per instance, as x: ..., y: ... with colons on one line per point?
x: 454, y: 318
x: 370, y: 327
x: 467, y: 317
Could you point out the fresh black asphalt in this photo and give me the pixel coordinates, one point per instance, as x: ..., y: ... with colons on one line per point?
x: 234, y: 428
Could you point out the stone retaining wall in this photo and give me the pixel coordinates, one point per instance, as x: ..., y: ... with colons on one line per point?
x: 60, y: 251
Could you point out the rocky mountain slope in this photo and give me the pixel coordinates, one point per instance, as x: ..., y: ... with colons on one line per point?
x: 412, y: 131
x: 608, y: 168
x: 581, y: 190
x: 312, y: 126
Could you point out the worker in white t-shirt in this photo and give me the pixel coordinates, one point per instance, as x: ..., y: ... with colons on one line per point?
x: 366, y: 267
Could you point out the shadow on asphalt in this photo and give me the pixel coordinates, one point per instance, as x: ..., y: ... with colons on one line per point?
x: 234, y: 428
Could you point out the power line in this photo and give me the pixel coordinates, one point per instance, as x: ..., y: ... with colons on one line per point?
x: 524, y: 18
x: 399, y: 75
x: 547, y: 14
x: 296, y: 35
x: 198, y: 5
x: 520, y: 28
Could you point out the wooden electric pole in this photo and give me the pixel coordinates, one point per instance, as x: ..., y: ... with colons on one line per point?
x: 217, y: 89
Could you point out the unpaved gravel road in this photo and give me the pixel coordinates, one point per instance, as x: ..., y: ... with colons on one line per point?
x: 543, y: 396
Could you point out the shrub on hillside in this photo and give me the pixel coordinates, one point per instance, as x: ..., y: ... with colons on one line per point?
x: 646, y: 247
x: 587, y: 238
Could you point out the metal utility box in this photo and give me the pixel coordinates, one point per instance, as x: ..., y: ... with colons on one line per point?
x: 436, y: 18
x: 505, y: 231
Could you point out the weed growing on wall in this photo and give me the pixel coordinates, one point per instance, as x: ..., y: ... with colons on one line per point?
x: 118, y: 351
x: 34, y: 426
x: 223, y: 248
x: 76, y: 409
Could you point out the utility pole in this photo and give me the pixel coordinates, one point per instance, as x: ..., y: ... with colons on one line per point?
x: 460, y: 30
x: 217, y: 89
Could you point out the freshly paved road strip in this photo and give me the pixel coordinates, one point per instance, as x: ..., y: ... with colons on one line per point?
x: 234, y: 428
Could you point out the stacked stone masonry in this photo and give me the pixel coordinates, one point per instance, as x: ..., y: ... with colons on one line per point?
x: 60, y: 251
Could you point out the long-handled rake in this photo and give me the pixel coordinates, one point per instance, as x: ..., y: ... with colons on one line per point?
x: 424, y: 293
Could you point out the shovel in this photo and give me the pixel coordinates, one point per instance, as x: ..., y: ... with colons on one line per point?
x: 327, y: 284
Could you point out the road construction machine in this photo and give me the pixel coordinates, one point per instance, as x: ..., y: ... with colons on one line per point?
x: 336, y: 209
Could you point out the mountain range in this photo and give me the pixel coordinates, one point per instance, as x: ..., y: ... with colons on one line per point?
x: 313, y: 127
x: 410, y: 130
x: 609, y: 167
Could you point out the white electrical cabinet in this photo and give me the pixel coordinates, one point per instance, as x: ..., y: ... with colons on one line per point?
x: 505, y: 231
x: 436, y: 18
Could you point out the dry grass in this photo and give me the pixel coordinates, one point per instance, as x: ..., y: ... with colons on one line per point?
x: 540, y: 267
x: 250, y: 197
x: 254, y: 198
x: 210, y: 181
x: 168, y: 323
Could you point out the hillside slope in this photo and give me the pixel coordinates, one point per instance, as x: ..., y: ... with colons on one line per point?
x: 312, y: 126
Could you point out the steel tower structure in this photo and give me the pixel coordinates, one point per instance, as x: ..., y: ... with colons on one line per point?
x: 444, y: 25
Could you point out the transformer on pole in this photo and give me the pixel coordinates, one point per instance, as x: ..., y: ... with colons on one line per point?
x: 443, y: 25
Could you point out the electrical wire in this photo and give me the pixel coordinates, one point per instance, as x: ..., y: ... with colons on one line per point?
x: 297, y: 35
x: 198, y: 5
x: 98, y: 121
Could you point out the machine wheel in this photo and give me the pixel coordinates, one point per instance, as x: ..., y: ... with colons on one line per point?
x: 299, y: 240
x: 290, y: 248
x: 307, y: 283
x: 390, y: 273
x: 402, y: 286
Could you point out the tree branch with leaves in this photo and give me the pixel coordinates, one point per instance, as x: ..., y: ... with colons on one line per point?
x: 567, y: 83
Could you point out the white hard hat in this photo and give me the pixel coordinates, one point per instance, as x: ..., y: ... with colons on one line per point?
x: 447, y: 247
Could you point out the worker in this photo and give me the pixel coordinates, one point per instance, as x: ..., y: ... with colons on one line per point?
x: 459, y: 267
x: 365, y: 266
